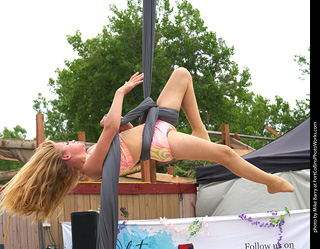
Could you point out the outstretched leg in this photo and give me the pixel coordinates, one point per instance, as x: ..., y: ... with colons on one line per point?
x: 186, y: 147
x: 178, y: 92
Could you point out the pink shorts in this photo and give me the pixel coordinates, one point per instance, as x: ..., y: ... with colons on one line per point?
x: 126, y: 158
x: 159, y: 151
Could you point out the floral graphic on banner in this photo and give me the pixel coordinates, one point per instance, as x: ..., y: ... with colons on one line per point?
x: 137, y: 237
x: 165, y: 234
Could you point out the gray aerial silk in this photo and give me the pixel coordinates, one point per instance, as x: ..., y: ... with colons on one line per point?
x: 149, y: 17
x: 108, y: 218
x: 150, y: 113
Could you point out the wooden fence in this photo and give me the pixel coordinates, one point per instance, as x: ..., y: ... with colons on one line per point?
x: 22, y: 233
x: 137, y: 201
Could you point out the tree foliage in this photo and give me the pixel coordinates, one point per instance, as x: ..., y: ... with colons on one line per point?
x: 304, y: 64
x: 85, y: 87
x: 17, y: 133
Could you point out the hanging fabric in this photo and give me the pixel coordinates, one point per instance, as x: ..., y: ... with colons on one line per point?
x: 108, y: 218
x: 149, y: 19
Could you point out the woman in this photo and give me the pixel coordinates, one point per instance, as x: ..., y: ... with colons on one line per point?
x: 41, y: 185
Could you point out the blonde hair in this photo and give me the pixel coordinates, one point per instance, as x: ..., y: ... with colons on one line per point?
x: 41, y: 184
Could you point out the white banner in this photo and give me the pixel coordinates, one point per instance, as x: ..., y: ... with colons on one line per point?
x: 67, y: 235
x: 216, y: 232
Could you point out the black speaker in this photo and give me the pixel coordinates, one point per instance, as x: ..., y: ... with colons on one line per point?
x: 84, y: 226
x: 1, y: 246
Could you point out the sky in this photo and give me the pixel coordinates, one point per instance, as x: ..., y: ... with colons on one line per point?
x: 265, y: 34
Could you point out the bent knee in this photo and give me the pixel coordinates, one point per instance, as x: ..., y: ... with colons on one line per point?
x: 182, y: 72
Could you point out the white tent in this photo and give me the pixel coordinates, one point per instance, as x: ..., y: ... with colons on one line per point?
x: 220, y: 192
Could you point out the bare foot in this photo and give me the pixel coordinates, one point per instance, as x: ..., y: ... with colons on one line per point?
x: 279, y: 185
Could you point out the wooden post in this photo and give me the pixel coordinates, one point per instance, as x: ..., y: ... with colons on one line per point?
x: 40, y: 138
x: 153, y: 171
x: 272, y: 131
x: 170, y: 170
x: 81, y: 136
x: 40, y: 129
x: 225, y: 134
x: 148, y: 171
x: 236, y: 136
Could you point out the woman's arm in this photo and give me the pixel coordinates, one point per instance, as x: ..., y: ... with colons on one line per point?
x: 93, y: 165
x: 122, y: 128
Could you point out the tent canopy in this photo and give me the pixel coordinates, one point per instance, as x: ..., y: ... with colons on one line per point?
x: 289, y: 152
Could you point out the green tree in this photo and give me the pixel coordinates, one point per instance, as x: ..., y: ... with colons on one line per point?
x: 85, y: 87
x: 18, y: 133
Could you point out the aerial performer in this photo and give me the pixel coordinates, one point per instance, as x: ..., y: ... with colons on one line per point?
x: 42, y: 183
